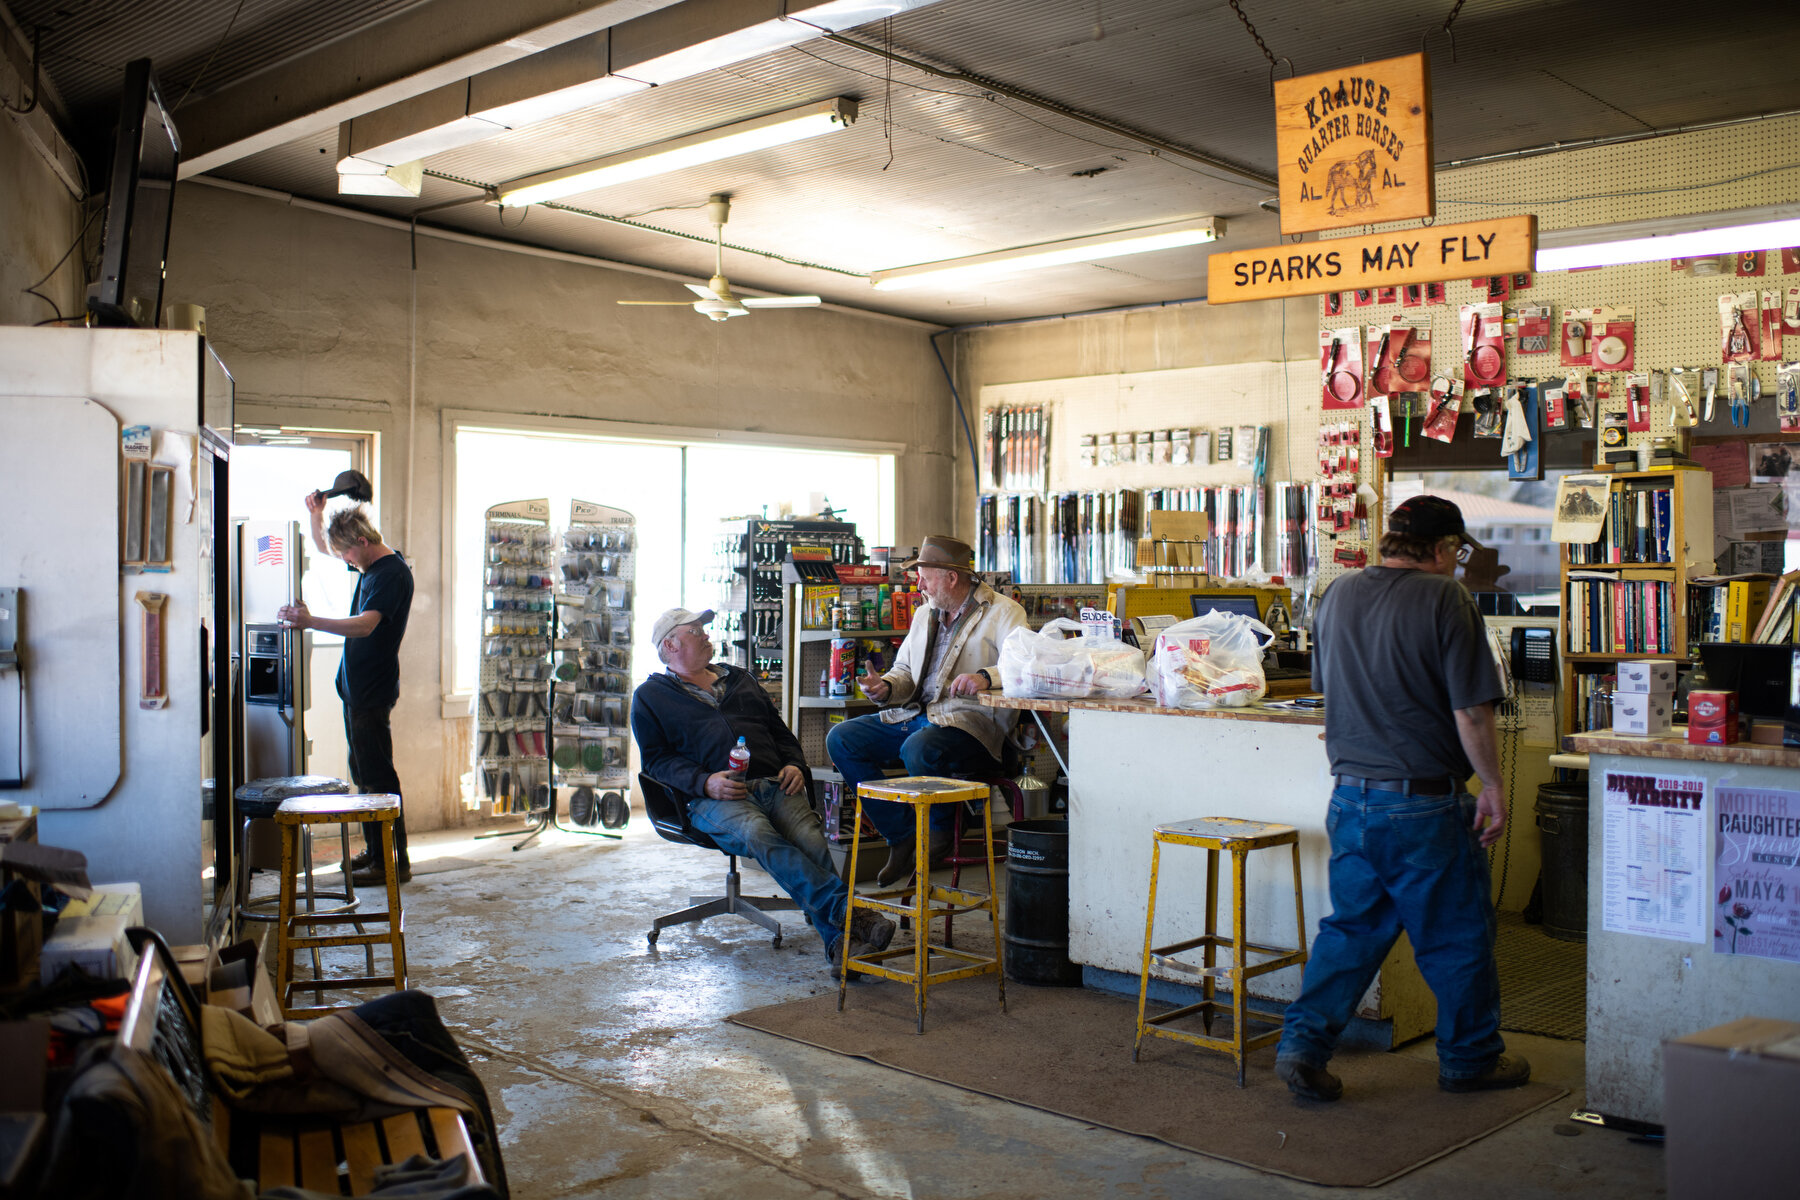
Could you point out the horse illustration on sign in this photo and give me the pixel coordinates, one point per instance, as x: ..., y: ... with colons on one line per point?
x: 1356, y: 175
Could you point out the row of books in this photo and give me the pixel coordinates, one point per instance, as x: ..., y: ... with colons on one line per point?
x: 1777, y: 623
x: 1608, y: 615
x: 1726, y: 610
x: 1638, y: 528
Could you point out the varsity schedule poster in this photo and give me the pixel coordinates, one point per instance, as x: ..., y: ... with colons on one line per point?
x: 1757, y: 908
x: 1653, y: 865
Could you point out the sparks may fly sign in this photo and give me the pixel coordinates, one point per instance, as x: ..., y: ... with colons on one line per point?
x: 1501, y: 246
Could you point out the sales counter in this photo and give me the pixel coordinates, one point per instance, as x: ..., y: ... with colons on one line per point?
x: 1667, y: 869
x: 1133, y: 765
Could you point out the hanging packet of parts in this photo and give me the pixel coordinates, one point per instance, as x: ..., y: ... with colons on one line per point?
x: 1504, y: 245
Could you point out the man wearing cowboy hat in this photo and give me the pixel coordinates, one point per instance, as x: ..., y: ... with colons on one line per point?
x: 931, y: 721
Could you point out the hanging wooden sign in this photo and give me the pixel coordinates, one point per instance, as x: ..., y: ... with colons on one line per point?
x: 1500, y: 246
x: 1354, y: 145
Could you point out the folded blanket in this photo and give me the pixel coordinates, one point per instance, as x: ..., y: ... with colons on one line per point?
x: 241, y: 1055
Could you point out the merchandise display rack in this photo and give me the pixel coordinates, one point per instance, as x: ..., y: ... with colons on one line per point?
x: 748, y: 556
x: 1688, y: 542
x: 591, y: 690
x: 511, y: 709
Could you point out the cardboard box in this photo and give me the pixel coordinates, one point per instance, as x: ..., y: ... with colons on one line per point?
x: 110, y: 900
x: 1729, y: 1098
x: 1641, y: 714
x: 1712, y: 718
x: 95, y: 944
x: 1655, y: 676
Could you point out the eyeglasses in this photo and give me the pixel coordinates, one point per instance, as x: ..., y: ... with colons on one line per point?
x: 1464, y: 552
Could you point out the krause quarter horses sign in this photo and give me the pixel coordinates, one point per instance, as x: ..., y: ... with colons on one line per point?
x: 1354, y: 145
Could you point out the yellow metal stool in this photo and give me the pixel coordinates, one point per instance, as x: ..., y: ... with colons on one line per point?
x: 1214, y: 834
x: 292, y: 817
x: 923, y: 791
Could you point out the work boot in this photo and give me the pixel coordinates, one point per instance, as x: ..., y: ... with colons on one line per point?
x: 899, y: 866
x: 1307, y: 1081
x: 362, y: 860
x: 1507, y: 1071
x: 872, y: 929
x: 374, y: 876
x: 835, y: 958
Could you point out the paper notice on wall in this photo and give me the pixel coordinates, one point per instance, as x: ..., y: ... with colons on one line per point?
x: 1756, y: 868
x: 1653, y: 875
x: 1762, y: 508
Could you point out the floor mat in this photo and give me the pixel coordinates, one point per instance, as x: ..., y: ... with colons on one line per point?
x: 1068, y: 1051
x: 1543, y: 981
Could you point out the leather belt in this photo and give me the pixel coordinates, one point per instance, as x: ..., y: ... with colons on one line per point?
x: 1418, y: 787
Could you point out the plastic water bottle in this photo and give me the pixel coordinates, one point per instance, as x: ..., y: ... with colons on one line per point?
x: 740, y: 760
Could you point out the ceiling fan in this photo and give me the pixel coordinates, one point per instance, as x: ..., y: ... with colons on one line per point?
x: 717, y: 300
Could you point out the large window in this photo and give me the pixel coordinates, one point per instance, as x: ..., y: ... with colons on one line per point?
x: 1510, y: 518
x: 679, y: 491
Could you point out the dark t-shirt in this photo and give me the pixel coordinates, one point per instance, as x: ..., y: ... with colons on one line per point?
x: 1398, y: 652
x: 370, y: 674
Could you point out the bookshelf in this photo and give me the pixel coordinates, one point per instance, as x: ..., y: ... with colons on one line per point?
x: 1636, y: 607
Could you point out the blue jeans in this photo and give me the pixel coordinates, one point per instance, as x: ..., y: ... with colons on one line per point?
x: 782, y: 833
x: 1414, y: 862
x: 860, y: 748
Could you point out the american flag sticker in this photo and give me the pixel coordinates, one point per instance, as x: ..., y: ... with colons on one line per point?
x: 268, y: 551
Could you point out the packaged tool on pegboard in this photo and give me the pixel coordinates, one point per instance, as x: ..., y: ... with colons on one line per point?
x: 1341, y: 368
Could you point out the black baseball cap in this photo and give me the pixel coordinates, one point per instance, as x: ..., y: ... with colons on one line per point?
x: 1429, y: 518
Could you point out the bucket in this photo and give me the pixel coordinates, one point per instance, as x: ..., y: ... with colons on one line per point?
x: 1037, y: 904
x: 1562, y: 821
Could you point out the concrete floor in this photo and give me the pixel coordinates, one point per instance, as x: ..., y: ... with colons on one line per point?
x: 612, y: 1071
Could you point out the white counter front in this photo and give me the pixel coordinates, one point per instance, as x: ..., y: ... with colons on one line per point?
x: 1133, y: 767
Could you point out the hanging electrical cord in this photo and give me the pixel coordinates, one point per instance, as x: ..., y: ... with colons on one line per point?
x: 33, y: 289
x: 974, y: 459
x: 207, y: 65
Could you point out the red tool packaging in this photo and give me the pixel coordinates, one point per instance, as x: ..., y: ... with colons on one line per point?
x: 1613, y: 339
x: 1576, y: 325
x: 1483, y: 344
x: 1444, y: 402
x: 1341, y: 367
x: 1740, y: 328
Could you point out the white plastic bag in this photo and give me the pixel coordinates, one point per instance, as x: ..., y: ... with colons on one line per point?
x: 1212, y: 661
x: 1047, y: 666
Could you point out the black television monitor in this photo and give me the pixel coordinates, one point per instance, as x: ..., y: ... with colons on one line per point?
x: 1759, y: 674
x: 1243, y: 606
x: 140, y: 197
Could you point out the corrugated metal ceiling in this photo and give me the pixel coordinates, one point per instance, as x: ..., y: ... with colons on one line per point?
x: 972, y: 171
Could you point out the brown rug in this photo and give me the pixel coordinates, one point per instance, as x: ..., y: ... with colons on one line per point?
x: 1068, y: 1051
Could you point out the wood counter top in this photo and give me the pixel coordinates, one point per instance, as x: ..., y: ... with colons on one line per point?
x: 1676, y: 746
x: 1253, y: 712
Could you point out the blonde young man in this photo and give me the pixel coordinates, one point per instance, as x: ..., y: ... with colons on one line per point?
x: 368, y: 680
x: 931, y: 721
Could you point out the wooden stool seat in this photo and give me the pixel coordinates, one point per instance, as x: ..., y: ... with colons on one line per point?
x: 1238, y: 838
x: 916, y: 900
x: 293, y: 816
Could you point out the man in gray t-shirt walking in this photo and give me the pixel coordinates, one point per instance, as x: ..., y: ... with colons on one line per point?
x: 1410, y: 686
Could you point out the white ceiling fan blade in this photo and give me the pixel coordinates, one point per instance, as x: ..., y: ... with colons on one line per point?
x: 780, y: 301
x: 655, y: 303
x: 705, y: 293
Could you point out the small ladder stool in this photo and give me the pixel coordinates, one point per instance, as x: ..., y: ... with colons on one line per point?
x: 1214, y: 834
x: 294, y: 929
x: 915, y: 899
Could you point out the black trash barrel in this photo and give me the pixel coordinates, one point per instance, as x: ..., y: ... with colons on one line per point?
x: 1562, y: 821
x: 1037, y: 904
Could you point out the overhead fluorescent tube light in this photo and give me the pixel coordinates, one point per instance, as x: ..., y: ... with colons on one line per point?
x: 727, y: 141
x: 1700, y: 235
x: 1167, y: 236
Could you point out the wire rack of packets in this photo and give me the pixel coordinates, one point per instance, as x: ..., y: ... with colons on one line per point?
x: 591, y: 693
x: 511, y: 708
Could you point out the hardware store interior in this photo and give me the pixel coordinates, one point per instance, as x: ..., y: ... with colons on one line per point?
x: 1012, y: 425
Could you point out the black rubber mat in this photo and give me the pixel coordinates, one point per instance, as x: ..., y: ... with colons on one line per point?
x: 1543, y: 981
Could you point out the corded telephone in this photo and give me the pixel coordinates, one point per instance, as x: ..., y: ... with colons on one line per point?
x: 1534, y: 654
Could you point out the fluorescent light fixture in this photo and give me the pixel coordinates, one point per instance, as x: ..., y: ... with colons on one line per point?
x: 727, y: 141
x: 404, y: 179
x: 1697, y: 236
x: 1167, y: 236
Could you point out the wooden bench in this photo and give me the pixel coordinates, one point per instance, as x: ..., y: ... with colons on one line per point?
x: 162, y: 1020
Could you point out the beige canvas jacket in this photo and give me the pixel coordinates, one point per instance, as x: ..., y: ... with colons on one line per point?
x: 977, y: 645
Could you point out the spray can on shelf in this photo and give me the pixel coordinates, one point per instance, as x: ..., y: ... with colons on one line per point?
x: 843, y: 665
x: 740, y: 760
